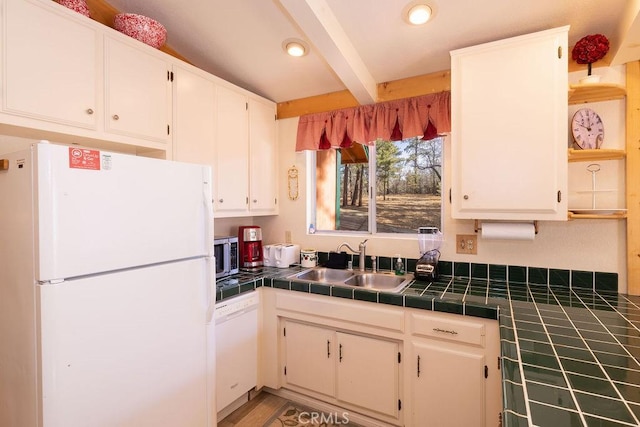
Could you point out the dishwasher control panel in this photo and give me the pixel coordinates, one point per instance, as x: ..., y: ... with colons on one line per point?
x: 235, y: 305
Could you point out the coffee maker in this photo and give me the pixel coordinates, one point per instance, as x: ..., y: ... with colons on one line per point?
x: 429, y: 239
x: 250, y: 243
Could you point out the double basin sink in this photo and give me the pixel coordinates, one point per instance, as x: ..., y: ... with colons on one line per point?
x: 380, y: 281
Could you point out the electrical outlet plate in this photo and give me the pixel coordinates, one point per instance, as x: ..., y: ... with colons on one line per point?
x: 287, y: 236
x: 467, y: 244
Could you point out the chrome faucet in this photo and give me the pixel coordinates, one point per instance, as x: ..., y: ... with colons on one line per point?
x: 361, y: 252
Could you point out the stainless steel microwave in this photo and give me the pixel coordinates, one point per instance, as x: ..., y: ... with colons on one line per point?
x: 225, y: 250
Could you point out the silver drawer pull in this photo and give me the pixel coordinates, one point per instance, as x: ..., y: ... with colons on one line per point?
x: 446, y: 331
x: 89, y: 111
x: 116, y: 117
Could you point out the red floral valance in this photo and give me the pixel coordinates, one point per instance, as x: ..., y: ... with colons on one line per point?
x: 426, y: 116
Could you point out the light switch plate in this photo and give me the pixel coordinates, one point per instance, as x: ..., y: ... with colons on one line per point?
x: 467, y: 244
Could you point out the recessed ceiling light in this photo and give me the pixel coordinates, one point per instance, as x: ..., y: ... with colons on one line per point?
x: 295, y: 47
x: 418, y: 12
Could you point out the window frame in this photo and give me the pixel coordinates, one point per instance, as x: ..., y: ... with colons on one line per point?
x: 371, y: 220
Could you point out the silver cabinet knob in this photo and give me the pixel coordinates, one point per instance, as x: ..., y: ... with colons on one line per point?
x: 255, y: 201
x: 221, y: 200
x: 89, y: 111
x: 466, y: 197
x: 116, y: 117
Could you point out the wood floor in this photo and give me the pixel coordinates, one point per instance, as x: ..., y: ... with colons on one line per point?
x: 255, y: 412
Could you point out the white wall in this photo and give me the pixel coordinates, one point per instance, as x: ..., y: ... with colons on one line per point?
x: 590, y: 245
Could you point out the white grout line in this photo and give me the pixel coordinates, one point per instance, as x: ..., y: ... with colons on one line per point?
x: 562, y: 371
x: 624, y: 401
x: 448, y: 286
x: 466, y: 289
x: 515, y: 334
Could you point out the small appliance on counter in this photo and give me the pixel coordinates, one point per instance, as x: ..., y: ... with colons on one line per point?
x: 225, y: 249
x: 250, y: 243
x: 281, y: 255
x: 429, y: 240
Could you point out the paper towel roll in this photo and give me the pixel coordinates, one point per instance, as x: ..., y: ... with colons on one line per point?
x: 508, y: 230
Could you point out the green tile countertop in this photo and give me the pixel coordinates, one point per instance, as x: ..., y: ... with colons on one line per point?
x: 570, y: 345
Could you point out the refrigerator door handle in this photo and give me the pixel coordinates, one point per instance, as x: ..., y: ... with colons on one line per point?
x: 211, y: 287
x: 208, y: 217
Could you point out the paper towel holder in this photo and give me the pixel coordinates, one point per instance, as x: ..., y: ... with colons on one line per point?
x: 477, y: 226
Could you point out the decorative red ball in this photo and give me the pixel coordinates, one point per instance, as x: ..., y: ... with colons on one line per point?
x: 590, y: 49
x: 141, y: 28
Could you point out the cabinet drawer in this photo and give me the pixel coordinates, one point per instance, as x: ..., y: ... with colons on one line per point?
x: 374, y: 315
x: 433, y: 326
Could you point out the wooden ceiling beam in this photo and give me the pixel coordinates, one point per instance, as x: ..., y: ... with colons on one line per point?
x: 316, y: 19
x: 388, y: 91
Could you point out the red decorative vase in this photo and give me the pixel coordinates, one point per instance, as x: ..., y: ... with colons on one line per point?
x: 79, y: 6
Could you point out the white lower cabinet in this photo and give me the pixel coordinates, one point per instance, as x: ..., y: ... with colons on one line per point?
x: 367, y: 373
x: 453, y: 371
x: 447, y: 386
x: 348, y: 369
x: 384, y: 365
x: 309, y: 362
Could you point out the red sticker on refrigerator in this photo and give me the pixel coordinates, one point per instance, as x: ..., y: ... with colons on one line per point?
x: 81, y: 158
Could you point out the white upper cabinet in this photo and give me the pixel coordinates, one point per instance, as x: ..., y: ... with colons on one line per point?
x: 246, y: 155
x: 50, y: 68
x: 263, y: 160
x: 194, y: 113
x: 231, y: 183
x: 509, y: 128
x: 138, y: 92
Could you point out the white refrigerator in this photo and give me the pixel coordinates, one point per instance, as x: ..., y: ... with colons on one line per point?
x: 107, y: 290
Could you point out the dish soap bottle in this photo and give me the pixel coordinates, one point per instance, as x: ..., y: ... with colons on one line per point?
x: 399, y: 266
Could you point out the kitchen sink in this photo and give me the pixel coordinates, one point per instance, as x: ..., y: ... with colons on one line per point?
x: 380, y: 281
x: 323, y: 274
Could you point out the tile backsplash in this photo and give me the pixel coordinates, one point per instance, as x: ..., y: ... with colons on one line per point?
x: 599, y: 281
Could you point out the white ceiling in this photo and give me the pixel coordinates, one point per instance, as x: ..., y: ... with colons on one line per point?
x: 358, y: 43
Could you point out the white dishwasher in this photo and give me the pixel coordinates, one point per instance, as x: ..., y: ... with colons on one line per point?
x: 236, y: 348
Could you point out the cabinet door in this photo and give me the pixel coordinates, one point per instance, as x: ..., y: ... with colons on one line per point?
x: 309, y: 358
x: 447, y: 386
x: 231, y: 184
x: 194, y: 117
x: 509, y: 128
x: 50, y: 65
x: 367, y: 373
x: 263, y: 157
x: 138, y: 92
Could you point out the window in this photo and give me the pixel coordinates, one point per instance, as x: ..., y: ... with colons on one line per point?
x: 392, y: 187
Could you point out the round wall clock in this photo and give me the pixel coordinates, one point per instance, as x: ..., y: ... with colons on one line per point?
x: 587, y: 129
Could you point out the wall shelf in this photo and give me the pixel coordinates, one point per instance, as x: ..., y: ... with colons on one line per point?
x: 578, y: 155
x: 619, y: 215
x: 594, y: 92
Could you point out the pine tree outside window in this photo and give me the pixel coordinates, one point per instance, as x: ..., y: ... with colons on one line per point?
x: 390, y: 187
